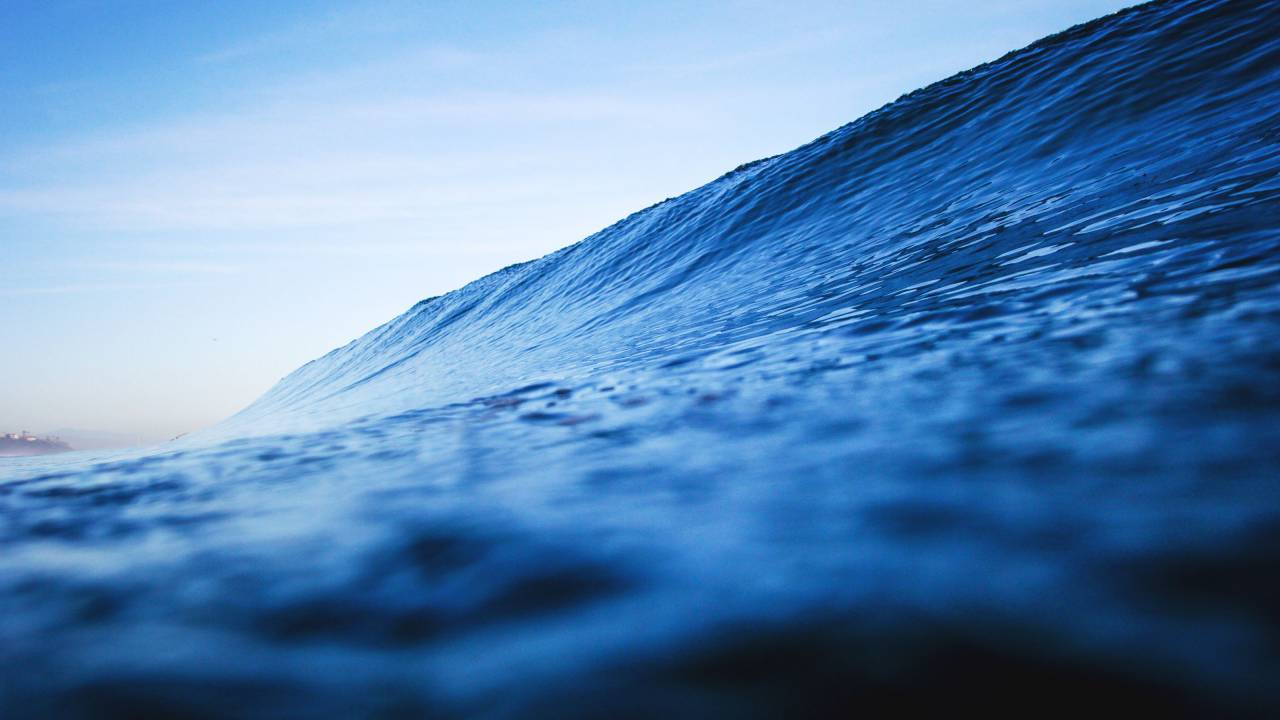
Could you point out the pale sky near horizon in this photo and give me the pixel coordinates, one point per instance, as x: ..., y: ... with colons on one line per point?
x: 198, y: 197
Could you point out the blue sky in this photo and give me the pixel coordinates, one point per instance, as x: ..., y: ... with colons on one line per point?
x: 198, y: 197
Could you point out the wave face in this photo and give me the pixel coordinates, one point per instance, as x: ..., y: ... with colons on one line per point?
x: 973, y: 400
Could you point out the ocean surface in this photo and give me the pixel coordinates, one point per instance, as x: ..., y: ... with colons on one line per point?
x: 973, y: 402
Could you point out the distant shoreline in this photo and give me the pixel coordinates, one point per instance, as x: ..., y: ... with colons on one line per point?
x: 27, y: 446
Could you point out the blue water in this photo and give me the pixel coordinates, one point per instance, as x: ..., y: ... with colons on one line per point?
x: 974, y: 401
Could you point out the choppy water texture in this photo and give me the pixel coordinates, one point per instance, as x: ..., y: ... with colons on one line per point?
x: 973, y: 401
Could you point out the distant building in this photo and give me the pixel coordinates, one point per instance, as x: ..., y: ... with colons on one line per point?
x: 24, y: 443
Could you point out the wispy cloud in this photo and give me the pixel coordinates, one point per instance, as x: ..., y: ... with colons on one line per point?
x: 305, y: 164
x: 164, y: 267
x: 761, y: 54
x: 81, y: 288
x: 358, y: 21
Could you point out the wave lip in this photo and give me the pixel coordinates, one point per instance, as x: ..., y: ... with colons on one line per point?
x: 977, y: 391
